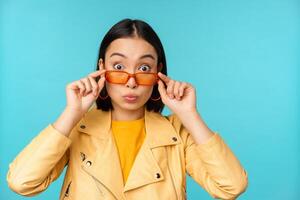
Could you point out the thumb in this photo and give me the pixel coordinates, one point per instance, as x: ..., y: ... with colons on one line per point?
x: 162, y: 89
x: 100, y: 85
x: 101, y: 82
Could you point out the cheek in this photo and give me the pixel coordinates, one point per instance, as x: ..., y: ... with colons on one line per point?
x: 147, y: 91
x: 111, y: 90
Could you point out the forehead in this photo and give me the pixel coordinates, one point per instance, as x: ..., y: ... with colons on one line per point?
x: 133, y: 48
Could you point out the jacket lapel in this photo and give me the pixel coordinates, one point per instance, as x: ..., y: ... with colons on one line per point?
x: 145, y: 169
x: 106, y: 167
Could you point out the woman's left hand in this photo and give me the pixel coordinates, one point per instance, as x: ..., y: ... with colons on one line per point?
x: 180, y: 97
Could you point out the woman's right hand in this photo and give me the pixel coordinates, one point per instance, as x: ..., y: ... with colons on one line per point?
x: 82, y: 93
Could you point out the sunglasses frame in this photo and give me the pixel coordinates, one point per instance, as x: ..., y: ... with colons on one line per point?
x: 129, y: 75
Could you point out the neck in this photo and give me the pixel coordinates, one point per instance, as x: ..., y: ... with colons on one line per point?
x: 126, y: 115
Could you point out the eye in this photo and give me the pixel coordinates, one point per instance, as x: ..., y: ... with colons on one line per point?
x: 145, y: 68
x: 118, y: 66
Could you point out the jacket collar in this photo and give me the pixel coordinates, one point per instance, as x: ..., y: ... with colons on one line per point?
x: 159, y: 130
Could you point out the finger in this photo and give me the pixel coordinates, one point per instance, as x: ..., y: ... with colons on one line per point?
x: 81, y: 86
x: 73, y: 86
x: 87, y: 84
x: 181, y: 88
x: 162, y: 89
x: 94, y: 85
x: 101, y: 83
x: 165, y: 78
x: 170, y: 89
x: 176, y: 89
x: 97, y: 73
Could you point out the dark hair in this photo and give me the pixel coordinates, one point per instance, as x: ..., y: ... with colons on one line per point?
x: 128, y: 28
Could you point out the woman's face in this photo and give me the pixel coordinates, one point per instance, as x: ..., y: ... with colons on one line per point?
x: 131, y: 55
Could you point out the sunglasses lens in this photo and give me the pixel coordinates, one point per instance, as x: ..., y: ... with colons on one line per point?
x: 116, y: 77
x: 146, y: 79
x: 122, y: 78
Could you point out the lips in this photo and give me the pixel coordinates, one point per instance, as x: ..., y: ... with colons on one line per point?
x: 130, y: 98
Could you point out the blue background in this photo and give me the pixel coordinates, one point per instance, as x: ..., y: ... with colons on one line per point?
x: 242, y: 57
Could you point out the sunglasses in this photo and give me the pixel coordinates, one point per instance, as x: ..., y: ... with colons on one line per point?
x: 121, y: 77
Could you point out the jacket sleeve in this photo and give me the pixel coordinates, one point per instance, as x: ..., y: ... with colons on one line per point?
x: 39, y: 163
x: 213, y: 165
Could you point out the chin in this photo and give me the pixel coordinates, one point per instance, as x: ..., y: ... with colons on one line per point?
x: 131, y: 106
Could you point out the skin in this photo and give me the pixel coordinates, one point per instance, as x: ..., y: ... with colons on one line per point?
x: 179, y: 96
x: 133, y: 49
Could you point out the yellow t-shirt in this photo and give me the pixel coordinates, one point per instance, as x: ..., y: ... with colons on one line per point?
x: 129, y: 136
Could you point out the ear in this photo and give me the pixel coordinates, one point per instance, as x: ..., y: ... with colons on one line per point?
x: 101, y: 64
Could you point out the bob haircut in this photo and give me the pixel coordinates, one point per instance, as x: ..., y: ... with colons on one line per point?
x: 128, y: 28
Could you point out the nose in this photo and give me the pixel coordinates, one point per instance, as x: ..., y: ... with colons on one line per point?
x: 131, y: 83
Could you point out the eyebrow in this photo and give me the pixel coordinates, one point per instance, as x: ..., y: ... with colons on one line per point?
x: 143, y: 56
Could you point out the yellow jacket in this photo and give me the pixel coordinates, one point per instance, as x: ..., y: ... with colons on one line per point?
x: 93, y: 168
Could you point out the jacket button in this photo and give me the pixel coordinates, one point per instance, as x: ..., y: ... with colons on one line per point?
x: 82, y: 126
x: 157, y: 175
x: 88, y: 163
x: 174, y: 139
x: 82, y: 155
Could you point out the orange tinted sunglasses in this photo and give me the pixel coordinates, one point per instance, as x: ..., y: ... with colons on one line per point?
x: 121, y: 77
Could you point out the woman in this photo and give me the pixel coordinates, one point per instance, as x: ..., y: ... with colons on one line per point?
x: 121, y: 147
